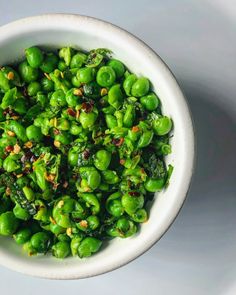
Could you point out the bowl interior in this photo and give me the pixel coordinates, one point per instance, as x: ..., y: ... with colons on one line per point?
x: 55, y: 31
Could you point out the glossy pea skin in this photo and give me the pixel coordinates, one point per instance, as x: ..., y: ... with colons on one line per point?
x: 61, y: 250
x: 20, y: 106
x: 58, y: 98
x: 102, y: 159
x: 140, y: 87
x: 162, y: 126
x: 128, y: 83
x: 117, y: 66
x: 87, y: 120
x: 145, y: 139
x: 72, y: 99
x: 106, y: 76
x: 129, y: 116
x: 74, y: 245
x: 20, y: 213
x: 18, y: 129
x: 47, y: 85
x: 93, y: 222
x: 110, y: 177
x: 49, y: 63
x: 89, y: 246
x: 154, y: 185
x: 10, y: 164
x: 8, y: 223
x: 34, y: 133
x: 27, y: 73
x: 41, y: 242
x: 114, y: 205
x: 56, y: 229
x: 78, y: 60
x: 150, y: 102
x: 140, y: 216
x: 110, y: 121
x: 115, y: 96
x: 22, y: 236
x: 34, y: 56
x: 132, y: 203
x: 33, y: 88
x: 85, y: 75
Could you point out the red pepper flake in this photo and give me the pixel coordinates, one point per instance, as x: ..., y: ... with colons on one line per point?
x: 87, y: 106
x: 71, y: 112
x: 135, y: 129
x: 134, y: 194
x: 9, y: 148
x: 86, y: 154
x: 118, y: 141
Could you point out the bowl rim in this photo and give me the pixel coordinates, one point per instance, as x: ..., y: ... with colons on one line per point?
x: 53, y: 19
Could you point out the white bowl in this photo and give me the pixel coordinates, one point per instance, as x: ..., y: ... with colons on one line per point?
x: 84, y: 32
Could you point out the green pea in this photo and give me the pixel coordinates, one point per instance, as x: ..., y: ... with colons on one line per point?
x: 140, y: 216
x: 41, y: 242
x: 92, y: 202
x: 42, y: 99
x: 63, y: 137
x: 56, y: 229
x: 27, y: 73
x: 75, y: 242
x: 132, y: 203
x: 128, y: 83
x: 75, y: 129
x: 114, y: 206
x: 110, y: 121
x: 66, y: 54
x: 106, y: 76
x: 115, y: 96
x: 140, y: 87
x: 93, y: 179
x: 18, y: 129
x: 61, y: 250
x: 87, y: 120
x: 129, y: 116
x: 20, y: 106
x: 89, y: 246
x: 22, y: 236
x: 28, y: 192
x: 10, y: 164
x: 47, y: 85
x: 49, y: 63
x: 78, y: 60
x: 75, y: 82
x: 8, y: 223
x: 145, y: 139
x: 102, y: 159
x: 34, y: 56
x: 154, y: 185
x: 162, y: 126
x: 62, y: 208
x: 73, y: 157
x: 21, y: 213
x: 117, y: 66
x: 42, y: 211
x: 150, y: 102
x: 85, y: 75
x: 110, y: 177
x: 4, y: 82
x: 123, y: 224
x: 72, y: 99
x: 34, y: 133
x: 93, y: 222
x: 58, y: 98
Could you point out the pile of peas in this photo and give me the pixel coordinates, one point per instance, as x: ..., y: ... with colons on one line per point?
x: 82, y: 146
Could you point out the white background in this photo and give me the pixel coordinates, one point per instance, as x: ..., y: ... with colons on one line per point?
x: 198, y: 254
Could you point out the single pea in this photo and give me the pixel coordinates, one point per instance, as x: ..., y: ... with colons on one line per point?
x: 117, y: 66
x: 21, y: 213
x: 8, y: 223
x: 110, y: 121
x: 128, y: 83
x: 22, y: 236
x: 150, y: 102
x: 162, y: 125
x: 78, y: 60
x: 106, y: 76
x: 61, y: 250
x: 41, y: 242
x: 114, y: 206
x: 75, y: 82
x: 18, y: 129
x: 49, y: 63
x: 87, y: 120
x: 91, y: 202
x: 89, y: 246
x: 47, y: 85
x: 63, y: 124
x: 132, y: 203
x: 27, y: 73
x: 10, y: 164
x: 34, y: 133
x: 110, y: 177
x: 56, y: 229
x: 93, y: 179
x: 123, y: 224
x: 72, y: 99
x: 75, y: 242
x: 93, y: 222
x: 140, y: 216
x: 153, y: 185
x: 34, y: 56
x: 115, y: 96
x: 20, y: 106
x: 58, y: 98
x: 73, y: 157
x: 75, y: 129
x: 41, y: 98
x: 140, y: 87
x: 85, y: 75
x: 145, y: 139
x: 102, y: 159
x: 63, y: 137
x: 129, y: 116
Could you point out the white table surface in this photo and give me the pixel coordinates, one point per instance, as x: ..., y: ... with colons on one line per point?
x: 198, y: 254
